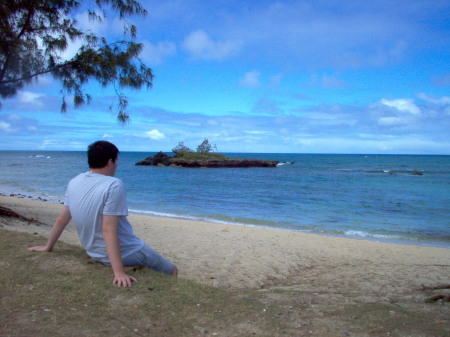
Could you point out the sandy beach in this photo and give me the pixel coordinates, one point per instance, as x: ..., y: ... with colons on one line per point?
x: 255, y: 258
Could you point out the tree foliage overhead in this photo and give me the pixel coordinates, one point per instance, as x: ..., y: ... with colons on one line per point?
x: 35, y: 33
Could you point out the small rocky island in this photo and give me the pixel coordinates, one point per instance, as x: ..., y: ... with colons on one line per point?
x: 162, y: 159
x: 203, y: 157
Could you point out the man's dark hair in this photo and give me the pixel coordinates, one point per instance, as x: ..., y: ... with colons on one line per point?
x: 100, y: 152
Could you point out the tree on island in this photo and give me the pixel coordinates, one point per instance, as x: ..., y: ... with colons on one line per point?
x: 181, y: 149
x: 34, y: 33
x: 204, y: 147
x: 204, y: 151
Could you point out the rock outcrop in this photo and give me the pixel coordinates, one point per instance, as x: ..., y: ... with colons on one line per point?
x: 162, y: 159
x: 159, y: 159
x: 229, y: 162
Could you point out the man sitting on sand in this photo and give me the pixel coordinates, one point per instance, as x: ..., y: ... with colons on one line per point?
x: 96, y: 201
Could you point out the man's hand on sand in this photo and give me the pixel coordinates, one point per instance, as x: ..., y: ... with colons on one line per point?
x: 124, y: 280
x: 39, y: 249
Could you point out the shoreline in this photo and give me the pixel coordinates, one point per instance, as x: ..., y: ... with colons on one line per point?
x: 245, y: 257
x: 362, y: 236
x: 357, y: 235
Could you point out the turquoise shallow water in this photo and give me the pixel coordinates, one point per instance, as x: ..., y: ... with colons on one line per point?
x: 397, y: 198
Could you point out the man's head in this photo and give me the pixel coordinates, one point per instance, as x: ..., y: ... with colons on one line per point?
x: 100, y: 152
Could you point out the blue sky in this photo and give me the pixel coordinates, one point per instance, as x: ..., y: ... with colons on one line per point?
x: 264, y: 76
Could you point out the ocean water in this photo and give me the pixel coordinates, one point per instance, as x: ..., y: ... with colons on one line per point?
x: 394, y: 198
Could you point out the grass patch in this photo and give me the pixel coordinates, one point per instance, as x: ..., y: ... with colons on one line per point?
x: 383, y: 319
x: 200, y: 156
x: 66, y: 293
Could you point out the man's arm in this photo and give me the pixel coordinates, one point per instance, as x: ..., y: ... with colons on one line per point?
x: 58, y: 227
x: 110, y: 225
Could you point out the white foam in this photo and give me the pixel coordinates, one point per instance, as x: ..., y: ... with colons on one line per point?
x: 39, y: 156
x: 368, y: 235
x: 164, y: 215
x: 357, y: 233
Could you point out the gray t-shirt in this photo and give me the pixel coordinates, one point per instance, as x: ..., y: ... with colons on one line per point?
x: 89, y: 196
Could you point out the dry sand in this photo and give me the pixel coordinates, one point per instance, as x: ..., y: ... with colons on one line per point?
x: 254, y: 258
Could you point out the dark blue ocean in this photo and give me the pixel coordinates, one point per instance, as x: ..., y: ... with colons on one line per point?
x: 394, y: 198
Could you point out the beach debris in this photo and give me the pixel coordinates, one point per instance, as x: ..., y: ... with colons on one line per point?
x: 440, y: 286
x: 443, y: 297
x: 4, y: 211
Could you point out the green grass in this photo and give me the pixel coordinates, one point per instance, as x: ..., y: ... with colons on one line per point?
x: 384, y: 319
x: 200, y: 156
x: 65, y: 293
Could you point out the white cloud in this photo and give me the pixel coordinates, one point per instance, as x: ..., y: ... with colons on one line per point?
x: 48, y: 143
x: 267, y: 106
x: 400, y: 112
x: 393, y: 121
x: 327, y: 81
x: 154, y: 54
x: 376, y: 144
x: 257, y: 132
x: 250, y: 79
x: 275, y: 81
x: 86, y: 24
x: 102, y: 27
x: 443, y: 80
x: 6, y: 127
x: 402, y: 105
x: 201, y: 46
x: 29, y: 97
x: 29, y: 100
x: 72, y: 49
x: 212, y: 122
x: 14, y: 117
x: 444, y: 100
x: 330, y: 81
x: 98, y: 27
x: 15, y: 124
x: 155, y: 134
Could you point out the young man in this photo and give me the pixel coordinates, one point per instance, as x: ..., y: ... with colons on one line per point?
x: 96, y: 201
